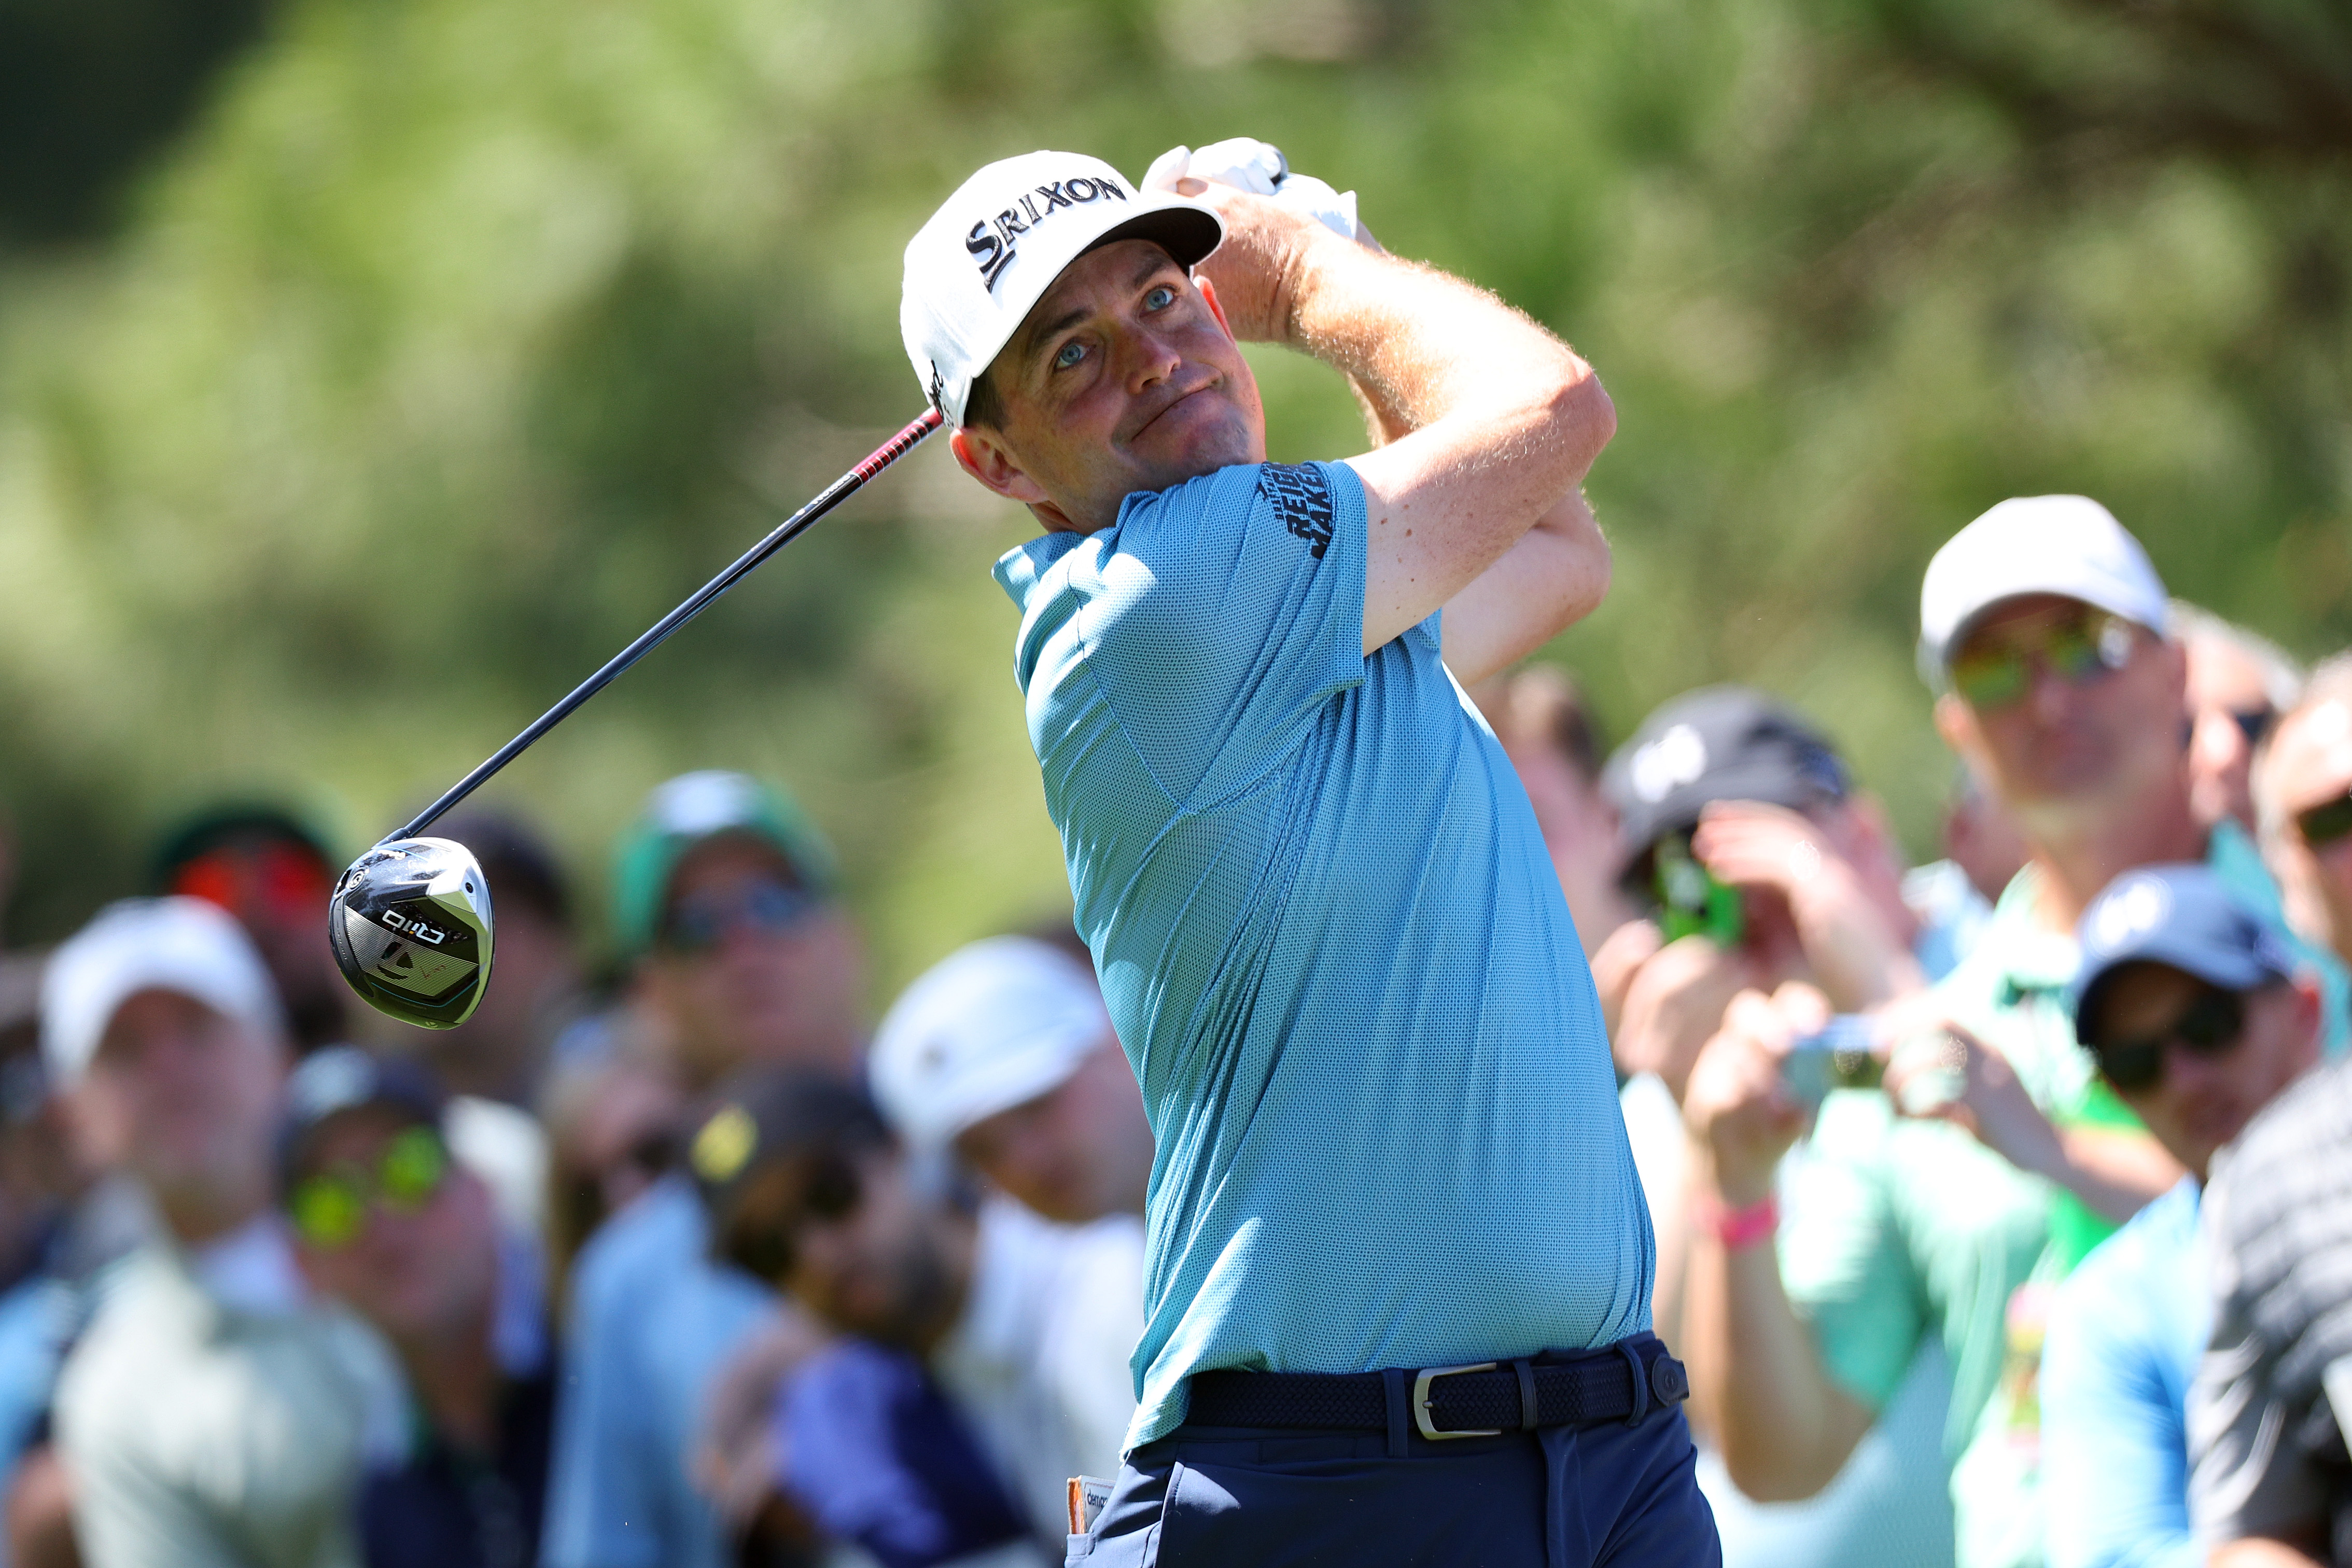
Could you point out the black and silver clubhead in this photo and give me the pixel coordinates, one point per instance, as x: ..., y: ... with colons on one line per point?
x: 410, y: 924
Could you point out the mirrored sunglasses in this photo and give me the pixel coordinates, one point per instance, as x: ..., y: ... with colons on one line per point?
x: 331, y: 1208
x: 696, y: 926
x: 1995, y: 671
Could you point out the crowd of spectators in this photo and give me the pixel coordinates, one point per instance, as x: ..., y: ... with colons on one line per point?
x: 2003, y: 1203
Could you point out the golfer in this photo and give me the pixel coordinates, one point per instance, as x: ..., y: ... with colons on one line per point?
x: 1398, y: 1268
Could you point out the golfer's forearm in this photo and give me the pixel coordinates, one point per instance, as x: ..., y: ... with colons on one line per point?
x: 1424, y: 347
x: 1756, y: 1381
x: 2257, y: 1553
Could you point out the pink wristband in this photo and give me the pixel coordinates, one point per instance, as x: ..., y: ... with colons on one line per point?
x: 1739, y: 1229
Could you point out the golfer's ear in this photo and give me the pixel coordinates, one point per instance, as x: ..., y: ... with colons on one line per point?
x: 983, y: 454
x: 1209, y: 292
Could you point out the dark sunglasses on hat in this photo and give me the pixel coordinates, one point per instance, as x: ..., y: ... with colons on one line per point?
x: 2211, y: 1024
x: 2329, y: 823
x: 2080, y: 645
x: 698, y: 925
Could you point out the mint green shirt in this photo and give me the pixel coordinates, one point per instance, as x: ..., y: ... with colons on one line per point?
x: 1902, y: 1229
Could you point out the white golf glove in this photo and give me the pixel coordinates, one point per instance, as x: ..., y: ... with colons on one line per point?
x: 1247, y: 163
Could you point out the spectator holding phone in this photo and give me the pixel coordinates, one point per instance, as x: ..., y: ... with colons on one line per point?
x: 2197, y: 1015
x: 1741, y: 829
x: 2047, y: 634
x: 2303, y: 793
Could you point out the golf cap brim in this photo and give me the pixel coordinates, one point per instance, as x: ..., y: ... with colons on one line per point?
x: 2069, y: 546
x: 337, y: 1079
x: 2183, y: 917
x: 975, y: 271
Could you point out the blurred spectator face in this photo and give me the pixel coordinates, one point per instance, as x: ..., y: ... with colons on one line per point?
x: 2306, y: 804
x: 2230, y: 710
x: 612, y: 1130
x: 855, y: 1242
x: 186, y: 1099
x: 1983, y: 840
x: 748, y: 965
x: 2066, y: 710
x: 2195, y: 1062
x: 386, y: 1223
x: 277, y: 886
x: 1076, y: 1153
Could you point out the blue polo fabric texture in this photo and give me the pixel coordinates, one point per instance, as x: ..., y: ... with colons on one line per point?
x: 2126, y: 1330
x: 1334, y: 950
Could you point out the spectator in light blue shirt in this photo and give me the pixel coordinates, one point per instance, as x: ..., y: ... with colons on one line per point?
x: 2196, y: 1014
x: 725, y: 896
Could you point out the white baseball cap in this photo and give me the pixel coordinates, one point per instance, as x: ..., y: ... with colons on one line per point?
x: 989, y: 1026
x: 996, y: 245
x: 185, y: 946
x: 2067, y: 545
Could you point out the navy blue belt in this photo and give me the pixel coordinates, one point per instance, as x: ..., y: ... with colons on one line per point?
x: 1625, y: 1382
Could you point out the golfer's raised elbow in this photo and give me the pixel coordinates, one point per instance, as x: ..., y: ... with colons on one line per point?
x: 1574, y: 418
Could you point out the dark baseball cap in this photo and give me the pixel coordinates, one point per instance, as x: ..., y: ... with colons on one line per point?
x: 336, y: 1078
x: 1720, y: 742
x: 764, y: 1119
x: 2183, y: 917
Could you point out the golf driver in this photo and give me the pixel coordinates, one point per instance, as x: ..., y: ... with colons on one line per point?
x: 410, y: 921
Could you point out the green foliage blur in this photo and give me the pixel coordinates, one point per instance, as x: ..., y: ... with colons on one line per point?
x: 457, y: 340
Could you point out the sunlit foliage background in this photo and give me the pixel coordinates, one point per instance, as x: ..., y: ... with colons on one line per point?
x: 387, y: 363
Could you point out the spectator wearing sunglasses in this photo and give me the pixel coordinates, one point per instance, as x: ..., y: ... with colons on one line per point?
x: 2196, y: 1015
x: 724, y: 904
x: 214, y: 1414
x: 2304, y: 788
x: 2238, y: 683
x: 386, y: 1223
x: 1948, y: 1204
x: 1025, y: 1328
x: 268, y: 868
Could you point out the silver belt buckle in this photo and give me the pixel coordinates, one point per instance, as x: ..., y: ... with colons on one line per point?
x: 1421, y: 1382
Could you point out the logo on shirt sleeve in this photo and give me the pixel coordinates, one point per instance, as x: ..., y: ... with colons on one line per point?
x: 1301, y: 497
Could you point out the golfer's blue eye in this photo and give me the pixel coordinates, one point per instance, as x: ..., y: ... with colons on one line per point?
x: 1071, y: 355
x: 1159, y: 299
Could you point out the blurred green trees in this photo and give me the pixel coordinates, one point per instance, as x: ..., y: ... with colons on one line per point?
x: 463, y: 337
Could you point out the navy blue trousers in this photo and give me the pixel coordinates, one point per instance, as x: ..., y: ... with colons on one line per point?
x: 1202, y: 1496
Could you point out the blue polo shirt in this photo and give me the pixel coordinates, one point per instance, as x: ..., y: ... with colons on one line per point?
x: 1333, y: 947
x: 2126, y: 1330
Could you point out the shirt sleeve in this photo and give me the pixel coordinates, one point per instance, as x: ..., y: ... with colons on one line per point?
x: 1228, y: 610
x: 1844, y: 1265
x: 2112, y: 1444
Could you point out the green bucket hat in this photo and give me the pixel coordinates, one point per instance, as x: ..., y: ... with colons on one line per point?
x: 685, y: 812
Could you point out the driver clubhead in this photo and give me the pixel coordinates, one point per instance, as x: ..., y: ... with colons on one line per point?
x: 410, y: 924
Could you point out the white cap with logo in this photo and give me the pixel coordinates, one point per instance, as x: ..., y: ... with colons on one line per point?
x: 989, y: 1026
x: 996, y: 245
x: 2067, y: 545
x: 184, y: 945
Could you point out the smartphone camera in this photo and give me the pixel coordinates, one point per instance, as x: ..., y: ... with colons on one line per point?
x: 1840, y: 1056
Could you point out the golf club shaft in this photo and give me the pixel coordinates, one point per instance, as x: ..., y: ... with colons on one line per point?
x: 841, y: 489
